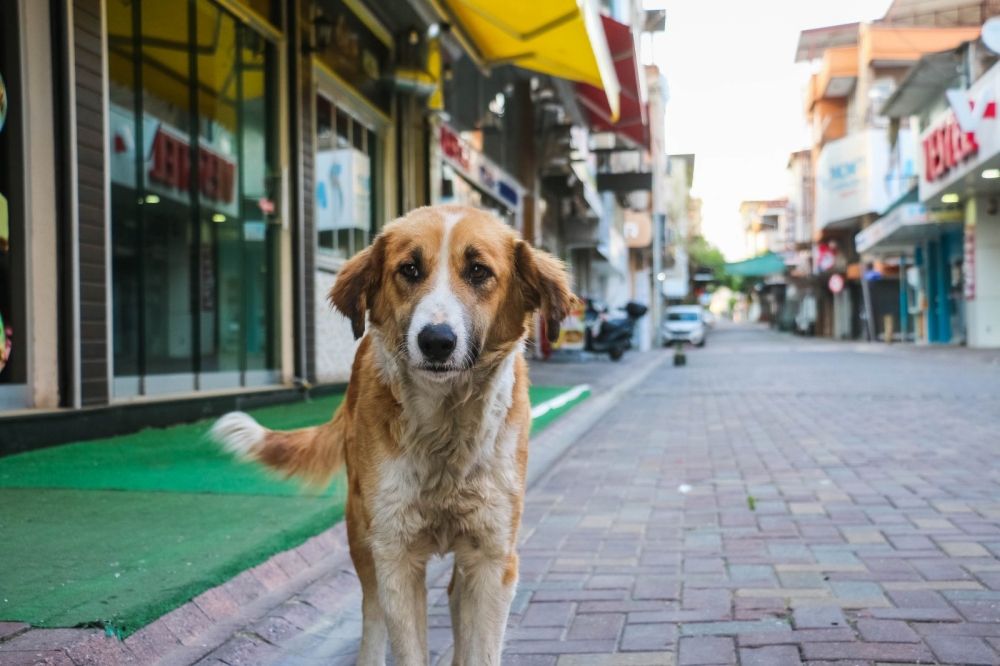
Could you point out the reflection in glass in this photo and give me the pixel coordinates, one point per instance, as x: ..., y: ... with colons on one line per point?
x: 194, y: 264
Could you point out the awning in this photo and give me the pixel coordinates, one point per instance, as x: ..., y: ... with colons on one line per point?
x: 933, y: 74
x: 632, y: 121
x: 562, y: 38
x: 765, y: 264
x: 905, y: 227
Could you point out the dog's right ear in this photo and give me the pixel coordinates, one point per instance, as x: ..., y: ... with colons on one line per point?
x: 357, y: 285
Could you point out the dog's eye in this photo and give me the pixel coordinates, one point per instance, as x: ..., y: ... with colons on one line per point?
x: 409, y: 271
x: 478, y: 272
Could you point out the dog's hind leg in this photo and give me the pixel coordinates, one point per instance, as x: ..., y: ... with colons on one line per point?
x: 486, y: 592
x: 455, y: 606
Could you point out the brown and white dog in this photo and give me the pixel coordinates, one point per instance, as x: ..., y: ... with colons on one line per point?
x: 434, y: 427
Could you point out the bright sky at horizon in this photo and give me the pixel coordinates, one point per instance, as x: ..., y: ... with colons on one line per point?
x: 736, y: 96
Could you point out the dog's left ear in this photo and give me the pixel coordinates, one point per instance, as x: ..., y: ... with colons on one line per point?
x: 358, y: 284
x: 545, y: 285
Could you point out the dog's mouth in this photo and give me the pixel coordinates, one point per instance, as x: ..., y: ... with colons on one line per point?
x: 439, y: 368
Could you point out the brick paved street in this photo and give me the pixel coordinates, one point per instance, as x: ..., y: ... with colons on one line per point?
x: 776, y: 501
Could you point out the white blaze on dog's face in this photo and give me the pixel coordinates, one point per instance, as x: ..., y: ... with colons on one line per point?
x: 439, y: 337
x: 449, y: 287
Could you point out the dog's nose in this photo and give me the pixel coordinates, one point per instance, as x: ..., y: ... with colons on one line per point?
x: 437, y: 342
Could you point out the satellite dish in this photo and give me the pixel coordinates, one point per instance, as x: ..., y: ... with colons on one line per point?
x: 991, y: 34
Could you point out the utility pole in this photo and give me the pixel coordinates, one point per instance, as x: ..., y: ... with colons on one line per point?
x: 659, y: 156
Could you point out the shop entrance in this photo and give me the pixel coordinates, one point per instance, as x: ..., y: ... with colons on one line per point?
x: 195, y: 234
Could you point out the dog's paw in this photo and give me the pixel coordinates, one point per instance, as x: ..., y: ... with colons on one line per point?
x: 239, y: 434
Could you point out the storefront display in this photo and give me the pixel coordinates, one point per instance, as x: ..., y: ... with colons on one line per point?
x: 193, y: 188
x: 345, y: 157
x: 13, y: 351
x: 472, y: 179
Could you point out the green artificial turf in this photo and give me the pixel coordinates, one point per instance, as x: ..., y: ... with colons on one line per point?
x: 170, y: 459
x: 120, y: 531
x: 123, y: 559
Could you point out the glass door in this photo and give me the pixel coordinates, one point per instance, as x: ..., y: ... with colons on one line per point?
x: 194, y: 181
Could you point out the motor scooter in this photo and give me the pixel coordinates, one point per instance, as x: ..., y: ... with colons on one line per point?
x: 611, y: 335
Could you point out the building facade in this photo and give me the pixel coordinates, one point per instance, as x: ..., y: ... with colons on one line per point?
x: 863, y: 161
x: 182, y: 180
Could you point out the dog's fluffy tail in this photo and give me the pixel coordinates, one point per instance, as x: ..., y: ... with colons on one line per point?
x: 311, y: 454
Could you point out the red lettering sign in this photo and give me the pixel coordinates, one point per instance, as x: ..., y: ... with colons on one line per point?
x: 172, y: 168
x: 454, y: 148
x: 946, y: 147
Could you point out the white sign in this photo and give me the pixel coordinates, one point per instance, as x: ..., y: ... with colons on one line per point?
x: 836, y: 283
x: 991, y: 34
x: 962, y: 138
x: 343, y: 190
x: 851, y: 177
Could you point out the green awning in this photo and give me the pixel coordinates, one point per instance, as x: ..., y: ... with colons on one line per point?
x: 765, y: 264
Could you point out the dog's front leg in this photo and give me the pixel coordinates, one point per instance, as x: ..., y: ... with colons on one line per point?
x: 402, y: 591
x: 484, y: 594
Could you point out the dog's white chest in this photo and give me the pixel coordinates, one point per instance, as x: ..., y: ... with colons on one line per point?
x: 425, y: 502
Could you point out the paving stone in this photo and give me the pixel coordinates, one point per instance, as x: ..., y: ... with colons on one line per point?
x: 547, y: 615
x: 646, y: 637
x: 818, y: 618
x: 733, y: 628
x: 886, y: 631
x: 892, y: 652
x: 621, y: 659
x: 963, y: 549
x: 596, y: 626
x: 962, y: 650
x: 705, y: 650
x: 779, y: 655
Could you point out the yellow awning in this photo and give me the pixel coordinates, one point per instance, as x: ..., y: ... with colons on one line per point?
x: 563, y: 38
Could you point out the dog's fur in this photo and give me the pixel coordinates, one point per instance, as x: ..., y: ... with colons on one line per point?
x: 435, y: 453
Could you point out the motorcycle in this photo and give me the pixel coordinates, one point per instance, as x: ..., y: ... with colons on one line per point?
x: 611, y: 335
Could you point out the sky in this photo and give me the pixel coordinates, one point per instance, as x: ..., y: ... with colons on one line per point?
x: 736, y: 96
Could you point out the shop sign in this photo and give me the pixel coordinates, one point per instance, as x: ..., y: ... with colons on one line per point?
x: 963, y: 137
x: 343, y: 190
x: 166, y: 159
x: 572, y: 330
x: 969, y: 263
x: 946, y: 146
x: 479, y: 169
x: 826, y: 258
x: 638, y: 228
x: 172, y: 167
x: 851, y: 177
x: 836, y: 283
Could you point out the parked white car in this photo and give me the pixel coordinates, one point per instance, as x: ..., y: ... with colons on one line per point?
x: 685, y: 323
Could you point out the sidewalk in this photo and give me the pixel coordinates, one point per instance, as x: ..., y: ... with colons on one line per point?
x: 778, y: 501
x: 150, y: 478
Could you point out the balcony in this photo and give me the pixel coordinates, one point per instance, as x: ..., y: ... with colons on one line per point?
x: 839, y: 72
x: 886, y: 46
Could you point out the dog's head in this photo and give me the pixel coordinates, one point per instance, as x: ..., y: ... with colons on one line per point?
x: 450, y: 287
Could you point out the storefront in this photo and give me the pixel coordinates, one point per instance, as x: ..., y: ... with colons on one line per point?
x: 960, y: 151
x: 853, y: 188
x: 470, y: 178
x: 29, y: 371
x: 193, y: 122
x: 925, y: 248
x: 354, y: 161
x: 13, y: 367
